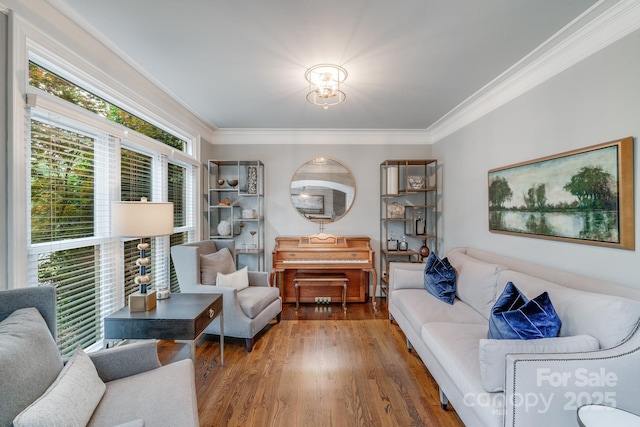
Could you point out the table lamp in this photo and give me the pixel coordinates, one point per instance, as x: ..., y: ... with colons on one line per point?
x: 142, y: 219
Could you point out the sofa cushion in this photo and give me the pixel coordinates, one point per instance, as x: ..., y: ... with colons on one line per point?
x: 492, y: 354
x: 408, y: 279
x: 29, y: 361
x: 132, y: 398
x: 513, y: 316
x: 440, y: 278
x: 238, y: 279
x: 133, y: 423
x: 455, y: 348
x: 217, y: 262
x: 419, y: 307
x: 609, y: 318
x: 71, y: 398
x: 476, y: 284
x: 254, y: 299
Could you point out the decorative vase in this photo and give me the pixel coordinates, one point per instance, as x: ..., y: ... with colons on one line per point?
x: 420, y: 225
x: 252, y: 180
x: 403, y: 245
x: 224, y: 228
x: 392, y: 180
x: 424, y: 250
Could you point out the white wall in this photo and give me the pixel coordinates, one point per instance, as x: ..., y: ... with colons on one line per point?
x: 597, y: 100
x: 281, y: 161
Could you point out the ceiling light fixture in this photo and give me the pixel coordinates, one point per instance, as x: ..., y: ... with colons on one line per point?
x: 325, y: 82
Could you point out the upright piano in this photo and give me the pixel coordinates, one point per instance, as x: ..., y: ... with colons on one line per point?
x: 324, y: 253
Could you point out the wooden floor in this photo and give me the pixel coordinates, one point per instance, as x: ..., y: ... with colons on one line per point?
x: 319, y: 367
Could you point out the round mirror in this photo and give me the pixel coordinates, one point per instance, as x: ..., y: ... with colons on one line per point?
x: 322, y: 190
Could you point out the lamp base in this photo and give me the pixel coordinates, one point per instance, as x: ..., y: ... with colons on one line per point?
x: 142, y: 302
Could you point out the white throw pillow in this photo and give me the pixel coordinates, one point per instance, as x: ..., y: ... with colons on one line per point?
x: 238, y: 279
x: 70, y: 400
x: 493, y: 352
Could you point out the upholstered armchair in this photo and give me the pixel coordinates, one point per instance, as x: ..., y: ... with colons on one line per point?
x: 124, y: 385
x: 246, y: 311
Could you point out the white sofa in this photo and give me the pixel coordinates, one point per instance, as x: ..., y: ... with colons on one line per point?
x: 541, y: 389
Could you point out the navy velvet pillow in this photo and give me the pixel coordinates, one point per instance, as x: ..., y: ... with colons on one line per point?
x: 513, y: 316
x: 440, y: 278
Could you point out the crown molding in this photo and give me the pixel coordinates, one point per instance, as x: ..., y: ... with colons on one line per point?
x: 603, y: 24
x: 321, y: 136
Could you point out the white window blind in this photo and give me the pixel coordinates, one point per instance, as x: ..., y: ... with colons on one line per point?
x: 70, y: 248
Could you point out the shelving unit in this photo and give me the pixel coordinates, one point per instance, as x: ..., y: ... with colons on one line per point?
x: 241, y: 206
x: 408, y: 193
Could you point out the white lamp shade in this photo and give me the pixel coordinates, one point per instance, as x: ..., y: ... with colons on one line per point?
x: 141, y: 219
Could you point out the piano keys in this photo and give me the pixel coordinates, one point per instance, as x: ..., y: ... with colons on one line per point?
x: 324, y: 253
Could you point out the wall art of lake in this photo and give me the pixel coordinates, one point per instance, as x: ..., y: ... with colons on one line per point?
x: 586, y: 225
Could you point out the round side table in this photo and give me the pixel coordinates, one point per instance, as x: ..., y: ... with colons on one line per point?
x: 606, y: 416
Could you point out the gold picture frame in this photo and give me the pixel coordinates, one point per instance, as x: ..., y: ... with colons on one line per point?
x: 580, y: 196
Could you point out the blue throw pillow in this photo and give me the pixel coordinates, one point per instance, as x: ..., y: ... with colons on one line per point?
x: 440, y: 278
x: 513, y: 316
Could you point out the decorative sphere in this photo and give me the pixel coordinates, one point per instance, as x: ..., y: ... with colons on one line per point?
x: 224, y: 228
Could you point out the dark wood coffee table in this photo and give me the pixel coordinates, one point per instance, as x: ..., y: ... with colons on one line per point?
x: 182, y: 317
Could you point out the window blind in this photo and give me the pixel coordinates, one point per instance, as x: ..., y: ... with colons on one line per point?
x: 69, y: 248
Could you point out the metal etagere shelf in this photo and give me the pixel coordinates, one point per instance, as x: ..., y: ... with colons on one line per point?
x: 408, y: 212
x: 236, y: 208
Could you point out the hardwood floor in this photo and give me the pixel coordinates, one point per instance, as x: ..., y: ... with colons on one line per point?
x: 319, y: 367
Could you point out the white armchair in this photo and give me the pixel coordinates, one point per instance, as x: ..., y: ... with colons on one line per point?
x: 246, y: 312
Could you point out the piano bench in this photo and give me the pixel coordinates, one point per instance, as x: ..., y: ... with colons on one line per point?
x: 321, y: 280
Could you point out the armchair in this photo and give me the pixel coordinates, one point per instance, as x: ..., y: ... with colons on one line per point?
x: 138, y: 390
x: 246, y: 311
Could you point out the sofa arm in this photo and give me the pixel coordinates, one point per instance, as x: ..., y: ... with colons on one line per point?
x: 548, y: 389
x: 126, y: 360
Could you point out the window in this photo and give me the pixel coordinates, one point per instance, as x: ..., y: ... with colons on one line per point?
x: 67, y: 245
x: 78, y: 165
x: 55, y: 85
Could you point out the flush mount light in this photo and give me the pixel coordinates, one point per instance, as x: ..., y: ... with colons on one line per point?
x: 325, y: 81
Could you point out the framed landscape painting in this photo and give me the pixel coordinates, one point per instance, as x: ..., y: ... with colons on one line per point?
x: 582, y: 196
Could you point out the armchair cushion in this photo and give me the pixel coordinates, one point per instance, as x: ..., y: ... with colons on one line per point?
x: 238, y: 279
x: 254, y: 299
x: 165, y: 396
x: 29, y: 361
x: 217, y: 262
x: 70, y: 400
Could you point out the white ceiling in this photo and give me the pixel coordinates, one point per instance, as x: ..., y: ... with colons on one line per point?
x: 241, y: 64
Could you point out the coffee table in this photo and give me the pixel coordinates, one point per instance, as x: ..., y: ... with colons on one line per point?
x: 182, y: 317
